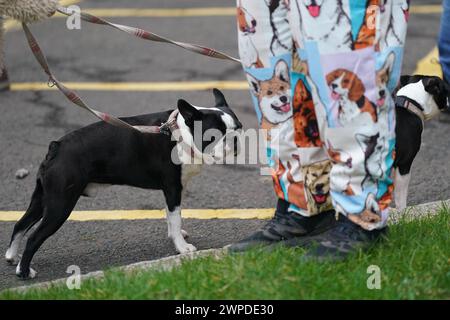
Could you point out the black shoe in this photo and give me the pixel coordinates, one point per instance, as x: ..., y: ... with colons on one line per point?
x: 4, y: 80
x: 285, y: 225
x: 343, y: 239
x: 445, y: 114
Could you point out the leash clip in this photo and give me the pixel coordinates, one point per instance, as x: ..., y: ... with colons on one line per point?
x: 51, y: 83
x: 165, y: 128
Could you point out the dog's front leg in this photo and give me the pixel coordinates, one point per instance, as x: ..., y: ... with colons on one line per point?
x: 175, y: 232
x: 401, y: 189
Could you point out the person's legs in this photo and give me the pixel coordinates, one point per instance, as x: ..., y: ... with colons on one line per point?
x: 444, y: 40
x: 266, y: 47
x: 4, y: 82
x: 444, y: 49
x: 353, y: 51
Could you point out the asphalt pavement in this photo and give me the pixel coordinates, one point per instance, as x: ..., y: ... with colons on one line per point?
x: 31, y: 119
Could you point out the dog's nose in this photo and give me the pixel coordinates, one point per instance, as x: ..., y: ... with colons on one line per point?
x: 283, y: 99
x: 334, y: 85
x: 319, y: 187
x: 382, y: 93
x: 254, y: 23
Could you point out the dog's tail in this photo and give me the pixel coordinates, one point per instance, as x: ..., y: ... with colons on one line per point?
x: 33, y: 214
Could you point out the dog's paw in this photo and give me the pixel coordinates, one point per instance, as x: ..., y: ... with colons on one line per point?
x: 186, y: 248
x: 25, y: 274
x: 184, y: 234
x: 12, y: 259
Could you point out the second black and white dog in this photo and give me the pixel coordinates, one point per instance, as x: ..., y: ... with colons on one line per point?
x: 418, y: 99
x: 101, y: 154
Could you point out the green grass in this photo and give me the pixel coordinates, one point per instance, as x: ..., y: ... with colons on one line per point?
x: 414, y: 263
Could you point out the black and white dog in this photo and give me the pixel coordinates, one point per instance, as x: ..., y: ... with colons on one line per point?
x: 102, y: 154
x: 418, y: 99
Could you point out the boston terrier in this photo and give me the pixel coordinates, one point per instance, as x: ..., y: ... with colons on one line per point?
x: 418, y: 99
x: 101, y: 155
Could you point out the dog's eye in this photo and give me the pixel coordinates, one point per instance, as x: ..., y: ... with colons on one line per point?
x: 269, y: 92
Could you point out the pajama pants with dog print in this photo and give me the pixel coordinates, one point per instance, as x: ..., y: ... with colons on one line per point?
x: 321, y: 74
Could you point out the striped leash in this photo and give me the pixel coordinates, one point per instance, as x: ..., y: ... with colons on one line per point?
x: 146, y: 35
x: 140, y: 33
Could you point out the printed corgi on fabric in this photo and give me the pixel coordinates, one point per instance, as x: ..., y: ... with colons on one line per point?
x: 273, y: 95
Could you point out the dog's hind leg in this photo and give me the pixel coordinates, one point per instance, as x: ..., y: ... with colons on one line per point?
x: 29, y: 219
x: 173, y: 211
x: 57, y: 209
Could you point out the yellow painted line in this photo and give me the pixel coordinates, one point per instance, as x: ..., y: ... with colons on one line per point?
x: 13, y: 24
x: 429, y: 65
x: 135, y: 86
x: 6, y: 216
x: 426, y: 9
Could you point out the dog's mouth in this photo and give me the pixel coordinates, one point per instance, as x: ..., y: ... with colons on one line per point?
x: 335, y: 95
x: 380, y: 101
x: 314, y: 10
x: 249, y: 29
x: 320, y: 198
x: 283, y: 108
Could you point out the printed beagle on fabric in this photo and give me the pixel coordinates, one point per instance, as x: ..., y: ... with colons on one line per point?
x: 321, y: 74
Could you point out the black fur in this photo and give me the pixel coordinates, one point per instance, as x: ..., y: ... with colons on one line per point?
x: 408, y: 131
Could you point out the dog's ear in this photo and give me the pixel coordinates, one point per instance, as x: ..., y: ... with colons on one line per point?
x: 363, y: 141
x: 254, y: 84
x: 366, y: 142
x: 331, y: 76
x: 385, y: 72
x: 357, y: 88
x: 189, y: 112
x: 404, y: 80
x: 282, y: 71
x: 433, y: 85
x: 220, y: 98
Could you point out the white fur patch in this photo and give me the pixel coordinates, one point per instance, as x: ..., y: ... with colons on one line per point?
x: 175, y: 232
x: 11, y: 254
x: 32, y: 274
x: 416, y: 91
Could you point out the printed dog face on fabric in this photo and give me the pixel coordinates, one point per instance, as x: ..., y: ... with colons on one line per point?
x: 333, y: 17
x: 273, y: 95
x: 348, y: 91
x: 305, y: 119
x: 317, y: 183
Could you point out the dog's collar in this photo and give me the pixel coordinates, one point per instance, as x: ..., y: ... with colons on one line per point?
x: 170, y: 127
x: 410, y: 105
